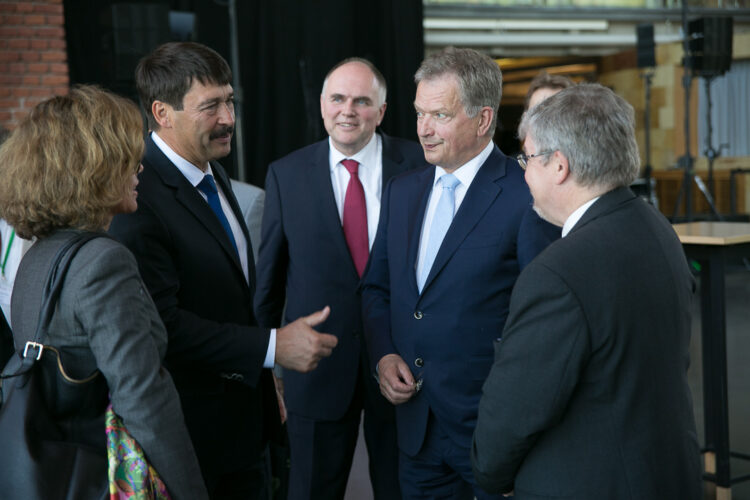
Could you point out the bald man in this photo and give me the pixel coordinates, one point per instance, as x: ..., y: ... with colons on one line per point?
x: 321, y: 214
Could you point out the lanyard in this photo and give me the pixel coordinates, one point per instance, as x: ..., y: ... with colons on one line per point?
x: 7, y: 250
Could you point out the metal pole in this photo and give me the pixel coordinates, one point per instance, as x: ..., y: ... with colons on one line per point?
x: 647, y: 171
x: 647, y: 76
x: 687, y: 160
x: 711, y: 153
x: 238, y: 93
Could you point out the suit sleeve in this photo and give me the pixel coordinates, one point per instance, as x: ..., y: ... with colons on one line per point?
x: 538, y: 364
x: 122, y: 324
x: 376, y: 295
x: 273, y: 259
x: 194, y: 341
x: 534, y: 235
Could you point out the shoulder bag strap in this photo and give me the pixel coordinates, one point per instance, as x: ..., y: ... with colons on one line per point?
x: 60, y: 263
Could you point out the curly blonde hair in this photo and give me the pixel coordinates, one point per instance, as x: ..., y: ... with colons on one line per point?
x: 68, y: 162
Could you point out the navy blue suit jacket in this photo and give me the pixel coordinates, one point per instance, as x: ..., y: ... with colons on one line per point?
x: 304, y: 260
x: 450, y: 327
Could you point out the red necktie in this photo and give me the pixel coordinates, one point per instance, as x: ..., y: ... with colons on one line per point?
x: 355, y: 218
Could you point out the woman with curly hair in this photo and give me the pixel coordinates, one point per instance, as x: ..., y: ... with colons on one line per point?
x: 69, y: 167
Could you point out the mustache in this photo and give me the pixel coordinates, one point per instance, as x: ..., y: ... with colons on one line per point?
x: 221, y: 132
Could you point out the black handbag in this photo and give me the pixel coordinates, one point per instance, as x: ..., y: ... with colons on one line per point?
x: 38, y: 460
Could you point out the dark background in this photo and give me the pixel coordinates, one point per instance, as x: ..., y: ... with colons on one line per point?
x: 286, y: 47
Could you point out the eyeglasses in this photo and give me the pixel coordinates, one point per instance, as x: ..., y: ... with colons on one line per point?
x: 523, y: 159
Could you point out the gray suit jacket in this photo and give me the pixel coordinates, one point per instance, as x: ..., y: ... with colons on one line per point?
x: 251, y: 199
x: 106, y: 319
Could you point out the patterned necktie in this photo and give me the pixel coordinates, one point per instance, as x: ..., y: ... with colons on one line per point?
x: 355, y: 218
x: 441, y: 221
x: 208, y: 187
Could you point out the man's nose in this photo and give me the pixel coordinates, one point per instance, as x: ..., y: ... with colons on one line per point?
x: 348, y: 107
x: 424, y: 127
x: 226, y: 113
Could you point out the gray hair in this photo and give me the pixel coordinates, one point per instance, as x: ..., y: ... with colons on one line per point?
x: 594, y: 128
x: 379, y: 78
x: 480, y: 81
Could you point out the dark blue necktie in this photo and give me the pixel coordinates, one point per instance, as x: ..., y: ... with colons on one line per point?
x: 208, y: 187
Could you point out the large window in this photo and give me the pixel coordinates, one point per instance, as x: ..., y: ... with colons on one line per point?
x: 730, y: 112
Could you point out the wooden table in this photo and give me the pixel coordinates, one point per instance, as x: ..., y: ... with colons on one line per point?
x: 711, y: 244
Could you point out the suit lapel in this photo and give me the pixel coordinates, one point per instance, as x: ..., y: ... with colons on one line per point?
x: 226, y: 187
x: 607, y: 203
x: 393, y: 164
x: 415, y: 211
x: 187, y: 195
x: 480, y: 196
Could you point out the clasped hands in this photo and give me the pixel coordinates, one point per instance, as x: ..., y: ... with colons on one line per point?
x: 397, y: 383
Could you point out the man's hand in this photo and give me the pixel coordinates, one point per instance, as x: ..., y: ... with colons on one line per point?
x: 299, y: 347
x: 279, y: 384
x: 396, y: 380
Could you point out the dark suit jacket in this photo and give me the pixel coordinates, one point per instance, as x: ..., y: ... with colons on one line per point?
x: 588, y: 397
x: 450, y: 327
x: 305, y: 260
x: 193, y: 273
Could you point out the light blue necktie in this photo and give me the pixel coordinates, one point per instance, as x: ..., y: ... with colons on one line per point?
x: 208, y: 187
x: 441, y: 221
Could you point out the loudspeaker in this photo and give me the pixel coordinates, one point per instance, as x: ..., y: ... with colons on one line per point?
x: 710, y: 45
x: 645, y: 46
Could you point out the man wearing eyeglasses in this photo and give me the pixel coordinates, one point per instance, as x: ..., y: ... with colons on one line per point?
x: 588, y: 396
x: 451, y: 241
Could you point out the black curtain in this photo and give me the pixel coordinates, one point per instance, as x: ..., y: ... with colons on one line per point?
x: 286, y: 48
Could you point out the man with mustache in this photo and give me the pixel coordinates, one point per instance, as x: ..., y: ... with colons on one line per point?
x: 195, y: 256
x: 451, y: 242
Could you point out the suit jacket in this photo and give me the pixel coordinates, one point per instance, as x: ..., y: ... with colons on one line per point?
x: 445, y: 334
x: 304, y: 260
x: 588, y: 396
x: 105, y: 320
x: 193, y: 273
x: 251, y: 200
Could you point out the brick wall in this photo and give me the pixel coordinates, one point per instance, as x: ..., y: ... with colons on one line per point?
x: 33, y: 59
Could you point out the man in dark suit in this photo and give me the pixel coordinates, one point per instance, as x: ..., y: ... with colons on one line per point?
x: 437, y: 290
x: 313, y: 254
x: 588, y: 396
x: 195, y: 256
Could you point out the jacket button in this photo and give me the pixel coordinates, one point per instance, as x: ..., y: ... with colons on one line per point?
x: 417, y: 314
x: 419, y: 362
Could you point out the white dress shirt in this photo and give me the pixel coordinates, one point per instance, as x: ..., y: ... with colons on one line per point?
x: 194, y: 176
x: 465, y: 175
x: 370, y: 173
x: 11, y: 253
x: 573, y: 218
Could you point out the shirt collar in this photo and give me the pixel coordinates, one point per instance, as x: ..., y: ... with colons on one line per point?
x: 573, y: 218
x: 466, y: 172
x: 363, y: 156
x: 193, y: 174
